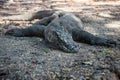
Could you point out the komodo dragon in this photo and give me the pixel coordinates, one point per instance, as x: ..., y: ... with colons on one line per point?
x: 61, y: 29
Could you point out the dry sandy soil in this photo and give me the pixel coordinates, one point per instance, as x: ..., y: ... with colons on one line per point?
x: 29, y: 58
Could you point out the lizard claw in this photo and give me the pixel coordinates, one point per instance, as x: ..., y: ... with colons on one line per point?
x: 14, y: 32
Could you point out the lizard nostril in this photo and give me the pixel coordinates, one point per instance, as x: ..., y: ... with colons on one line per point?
x: 75, y: 48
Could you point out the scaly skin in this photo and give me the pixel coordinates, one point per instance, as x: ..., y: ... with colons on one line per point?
x: 62, y: 29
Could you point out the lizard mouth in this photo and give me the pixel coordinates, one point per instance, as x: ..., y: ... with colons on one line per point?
x: 68, y: 46
x: 66, y: 43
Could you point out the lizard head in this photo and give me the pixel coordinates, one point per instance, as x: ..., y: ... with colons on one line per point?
x: 62, y: 39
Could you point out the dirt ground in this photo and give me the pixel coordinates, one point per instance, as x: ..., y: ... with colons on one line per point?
x: 29, y: 58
